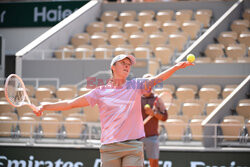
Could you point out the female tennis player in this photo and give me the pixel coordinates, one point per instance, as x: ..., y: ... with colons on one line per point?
x: 119, y: 102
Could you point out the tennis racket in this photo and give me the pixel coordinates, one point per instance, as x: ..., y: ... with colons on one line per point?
x: 16, y: 95
x: 167, y: 99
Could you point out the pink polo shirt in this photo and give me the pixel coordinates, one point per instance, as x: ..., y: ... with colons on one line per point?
x: 120, y: 110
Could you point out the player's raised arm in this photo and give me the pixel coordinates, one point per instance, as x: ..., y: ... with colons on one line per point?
x: 80, y: 101
x: 166, y: 74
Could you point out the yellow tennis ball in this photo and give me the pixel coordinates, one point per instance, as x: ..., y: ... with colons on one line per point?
x: 147, y: 106
x: 191, y: 58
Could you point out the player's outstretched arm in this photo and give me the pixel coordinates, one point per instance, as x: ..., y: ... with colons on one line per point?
x: 166, y: 74
x: 80, y: 101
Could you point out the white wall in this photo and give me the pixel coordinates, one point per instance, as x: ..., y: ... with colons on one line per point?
x: 17, y: 38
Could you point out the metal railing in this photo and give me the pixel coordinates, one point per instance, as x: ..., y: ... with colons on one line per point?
x: 37, y: 81
x: 90, y: 132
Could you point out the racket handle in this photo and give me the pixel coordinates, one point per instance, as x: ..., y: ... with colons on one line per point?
x: 147, y: 119
x: 35, y: 110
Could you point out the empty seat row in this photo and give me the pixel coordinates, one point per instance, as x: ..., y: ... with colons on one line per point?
x: 180, y: 128
x: 191, y: 27
x: 119, y: 39
x: 202, y: 15
x: 49, y: 93
x: 28, y: 126
x: 163, y: 53
x: 233, y: 51
x: 234, y: 128
x: 28, y: 123
x: 205, y: 92
x: 230, y: 37
x: 231, y: 46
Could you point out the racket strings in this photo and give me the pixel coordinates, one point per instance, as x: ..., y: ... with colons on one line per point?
x: 15, y: 91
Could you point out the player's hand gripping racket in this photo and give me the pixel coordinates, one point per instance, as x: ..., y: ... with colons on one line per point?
x: 16, y: 95
x: 167, y: 99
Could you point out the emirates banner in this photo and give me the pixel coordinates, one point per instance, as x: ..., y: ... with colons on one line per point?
x: 36, y: 14
x: 18, y: 156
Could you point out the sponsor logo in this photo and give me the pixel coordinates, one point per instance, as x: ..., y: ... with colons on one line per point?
x: 52, y: 15
x: 5, y: 162
x: 2, y: 15
x: 203, y: 164
x: 192, y: 164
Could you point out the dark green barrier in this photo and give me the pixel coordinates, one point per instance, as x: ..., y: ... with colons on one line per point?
x: 85, y: 157
x: 36, y: 14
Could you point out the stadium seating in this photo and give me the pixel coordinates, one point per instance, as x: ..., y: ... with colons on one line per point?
x: 150, y: 27
x: 84, y: 51
x: 132, y: 26
x: 123, y: 49
x: 95, y: 27
x: 164, y: 53
x: 191, y: 108
x: 42, y: 93
x: 103, y: 51
x: 73, y: 127
x: 80, y: 39
x: 171, y: 26
x: 211, y: 105
x: 246, y: 14
x: 244, y: 38
x: 6, y: 107
x: 243, y: 108
x: 183, y: 15
x: 118, y: 38
x: 64, y: 52
x: 50, y: 127
x: 142, y: 52
x: 178, y: 41
x: 214, y: 51
x: 6, y: 126
x: 30, y: 90
x: 196, y: 127
x: 126, y: 16
x: 108, y: 16
x: 145, y: 15
x: 236, y: 51
x: 227, y: 37
x: 174, y: 108
x: 27, y: 125
x: 208, y: 92
x: 231, y: 127
x: 184, y: 93
x: 204, y: 16
x: 192, y: 28
x: 239, y: 26
x: 138, y: 38
x: 175, y: 127
x: 113, y: 26
x: 158, y: 36
x: 98, y: 38
x: 164, y: 15
x: 227, y: 90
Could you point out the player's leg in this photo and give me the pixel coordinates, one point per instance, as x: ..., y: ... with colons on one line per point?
x: 133, y: 154
x: 109, y: 156
x: 153, y: 162
x: 151, y: 145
